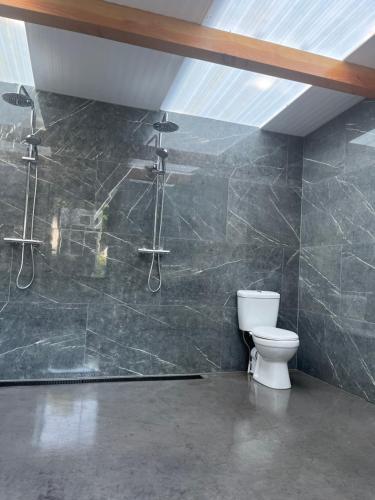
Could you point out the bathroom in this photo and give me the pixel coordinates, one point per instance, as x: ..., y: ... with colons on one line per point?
x: 159, y: 191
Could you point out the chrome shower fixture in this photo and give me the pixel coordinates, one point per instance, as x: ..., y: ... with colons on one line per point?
x: 22, y: 99
x: 33, y: 140
x: 162, y: 153
x: 165, y: 125
x: 160, y: 169
x: 160, y: 165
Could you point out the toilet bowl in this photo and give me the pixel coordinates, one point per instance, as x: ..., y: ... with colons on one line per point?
x: 257, y: 315
x: 275, y: 348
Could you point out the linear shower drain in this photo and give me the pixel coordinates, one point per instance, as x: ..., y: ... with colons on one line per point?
x: 91, y: 380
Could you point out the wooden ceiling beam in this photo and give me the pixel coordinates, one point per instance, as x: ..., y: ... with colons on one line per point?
x: 175, y: 36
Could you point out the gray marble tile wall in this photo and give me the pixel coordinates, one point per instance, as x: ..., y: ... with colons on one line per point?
x: 232, y: 220
x: 337, y: 273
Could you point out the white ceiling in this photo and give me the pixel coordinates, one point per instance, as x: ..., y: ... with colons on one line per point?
x: 94, y: 68
x: 189, y: 10
x: 364, y: 54
x: 317, y: 106
x: 331, y: 28
x: 15, y: 65
x: 310, y: 110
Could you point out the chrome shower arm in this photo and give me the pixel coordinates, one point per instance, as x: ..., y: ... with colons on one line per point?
x: 22, y: 89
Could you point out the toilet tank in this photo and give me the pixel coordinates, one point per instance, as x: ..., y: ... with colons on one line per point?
x: 257, y: 308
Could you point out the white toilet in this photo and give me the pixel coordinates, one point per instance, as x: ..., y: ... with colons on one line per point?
x: 257, y: 314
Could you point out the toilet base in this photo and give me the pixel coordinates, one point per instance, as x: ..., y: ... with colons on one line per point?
x: 273, y: 374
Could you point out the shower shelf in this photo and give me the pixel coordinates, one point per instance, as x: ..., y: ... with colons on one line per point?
x: 157, y: 251
x: 21, y: 241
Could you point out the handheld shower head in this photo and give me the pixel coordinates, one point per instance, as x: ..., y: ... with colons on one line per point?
x: 33, y: 140
x: 162, y: 153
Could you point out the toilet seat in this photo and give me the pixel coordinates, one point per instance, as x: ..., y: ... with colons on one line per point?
x: 273, y: 334
x: 278, y: 344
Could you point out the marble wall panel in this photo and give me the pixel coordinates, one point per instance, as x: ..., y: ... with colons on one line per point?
x: 5, y: 265
x: 87, y: 267
x: 337, y: 282
x: 231, y: 220
x: 155, y: 339
x: 42, y: 340
x: 267, y: 214
x: 339, y: 351
x: 212, y: 272
x: 320, y: 275
x: 290, y: 276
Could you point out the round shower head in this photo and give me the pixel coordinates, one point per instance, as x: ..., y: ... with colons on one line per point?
x: 17, y: 99
x: 165, y: 126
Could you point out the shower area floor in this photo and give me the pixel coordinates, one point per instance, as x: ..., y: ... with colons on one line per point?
x: 219, y: 438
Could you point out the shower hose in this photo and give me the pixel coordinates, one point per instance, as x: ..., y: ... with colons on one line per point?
x: 158, y: 222
x: 28, y: 284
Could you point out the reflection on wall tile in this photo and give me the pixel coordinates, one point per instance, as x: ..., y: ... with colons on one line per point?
x: 42, y: 340
x: 231, y: 221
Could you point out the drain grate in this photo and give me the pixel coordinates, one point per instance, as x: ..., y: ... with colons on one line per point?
x: 91, y: 380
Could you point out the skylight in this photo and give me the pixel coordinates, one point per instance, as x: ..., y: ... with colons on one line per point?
x: 15, y: 64
x: 334, y: 28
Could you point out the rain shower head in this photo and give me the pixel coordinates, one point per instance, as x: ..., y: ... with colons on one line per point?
x: 17, y: 99
x: 165, y: 126
x: 20, y: 98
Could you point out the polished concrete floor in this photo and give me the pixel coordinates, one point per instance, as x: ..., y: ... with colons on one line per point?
x: 220, y: 438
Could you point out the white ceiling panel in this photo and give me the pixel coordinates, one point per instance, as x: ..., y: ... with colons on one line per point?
x: 365, y: 53
x: 89, y: 67
x: 333, y: 28
x: 317, y: 106
x: 310, y: 110
x: 228, y: 94
x: 181, y: 9
x: 94, y: 68
x: 15, y: 64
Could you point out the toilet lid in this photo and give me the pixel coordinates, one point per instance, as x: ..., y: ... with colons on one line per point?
x: 271, y: 333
